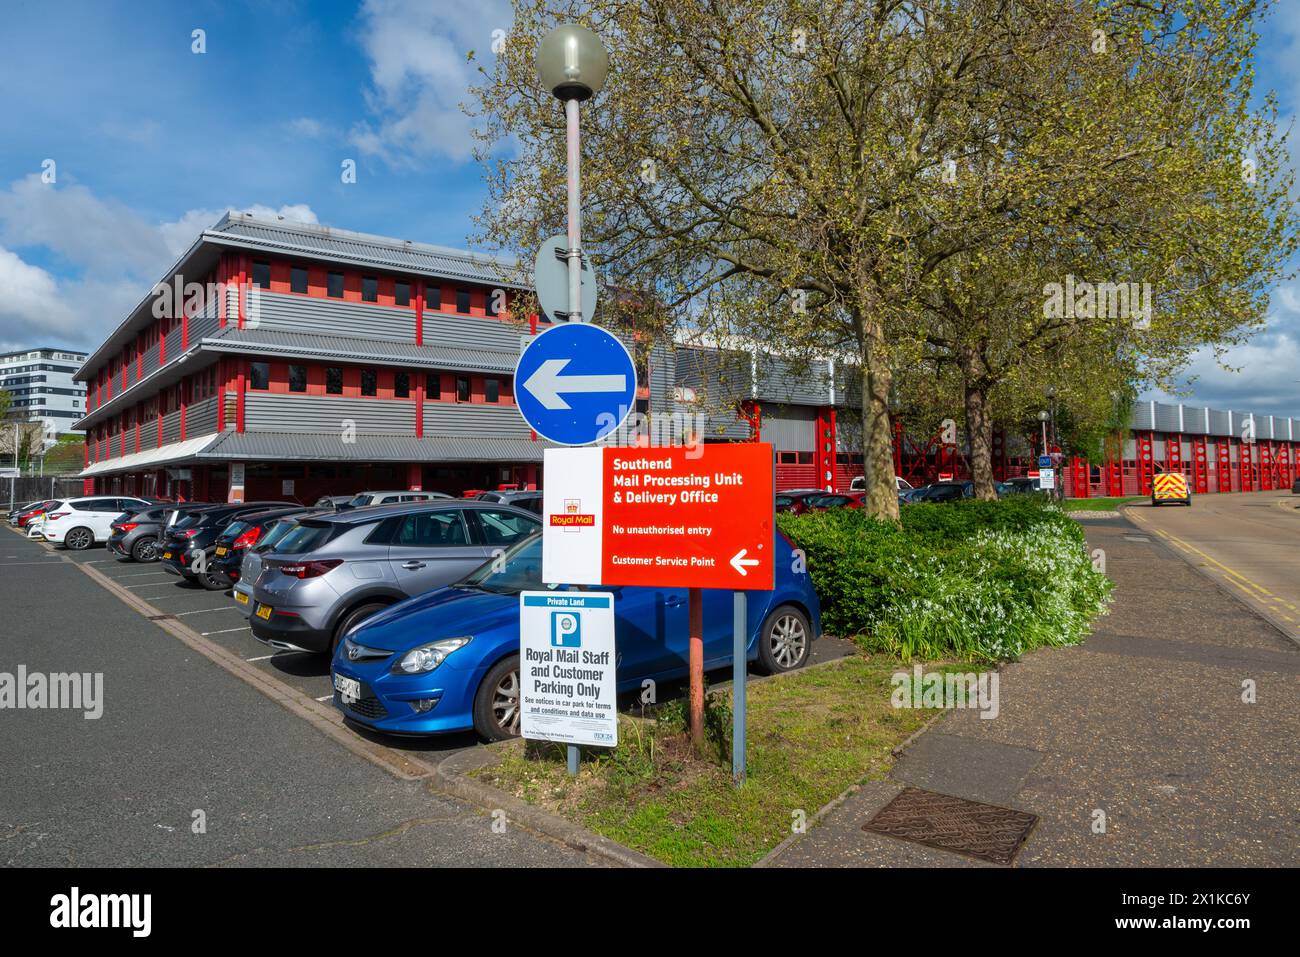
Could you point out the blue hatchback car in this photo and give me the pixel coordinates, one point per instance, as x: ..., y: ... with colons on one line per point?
x: 448, y: 660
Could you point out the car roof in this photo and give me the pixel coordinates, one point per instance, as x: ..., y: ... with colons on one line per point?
x: 403, y: 491
x: 268, y: 514
x: 375, y: 513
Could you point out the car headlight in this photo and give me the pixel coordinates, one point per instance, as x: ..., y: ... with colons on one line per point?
x: 425, y: 658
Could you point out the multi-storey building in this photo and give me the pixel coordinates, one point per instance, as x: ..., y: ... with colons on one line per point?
x: 42, y: 387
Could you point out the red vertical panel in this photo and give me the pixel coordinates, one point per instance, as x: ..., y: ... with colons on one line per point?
x: 223, y: 276
x: 1200, y: 465
x: 243, y: 277
x: 1080, y: 472
x: 824, y: 451
x: 1244, y: 466
x: 1146, y: 461
x: 419, y: 404
x: 1223, y: 474
x: 414, y: 477
x: 419, y: 318
x: 239, y: 400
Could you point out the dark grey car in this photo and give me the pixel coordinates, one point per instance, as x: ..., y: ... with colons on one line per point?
x: 333, y: 570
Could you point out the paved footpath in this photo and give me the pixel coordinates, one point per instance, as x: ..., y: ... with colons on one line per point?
x: 1144, y: 721
x: 179, y: 734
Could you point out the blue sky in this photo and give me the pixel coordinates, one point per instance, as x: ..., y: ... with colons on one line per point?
x: 152, y: 142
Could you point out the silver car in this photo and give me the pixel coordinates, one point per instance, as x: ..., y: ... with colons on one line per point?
x: 333, y: 570
x: 251, y: 566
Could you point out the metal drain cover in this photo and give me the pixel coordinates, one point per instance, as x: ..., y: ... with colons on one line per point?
x: 986, y: 831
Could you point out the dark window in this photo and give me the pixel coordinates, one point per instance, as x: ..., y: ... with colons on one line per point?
x: 433, y: 297
x: 262, y: 275
x: 259, y: 375
x: 432, y: 385
x: 369, y: 381
x: 432, y: 529
x: 401, y: 385
x: 492, y: 390
x: 462, y: 389
x: 369, y: 289
x: 335, y: 285
x: 805, y: 458
x: 462, y: 300
x: 334, y: 380
x: 298, y: 279
x: 297, y: 378
x: 503, y: 528
x: 402, y: 293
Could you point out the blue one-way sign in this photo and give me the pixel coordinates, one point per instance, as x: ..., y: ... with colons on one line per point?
x: 575, y: 383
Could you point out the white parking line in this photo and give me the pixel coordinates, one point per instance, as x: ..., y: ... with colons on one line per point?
x: 7, y: 564
x: 150, y: 584
x: 325, y: 697
x: 138, y: 575
x: 199, y: 611
x: 223, y: 631
x: 278, y: 654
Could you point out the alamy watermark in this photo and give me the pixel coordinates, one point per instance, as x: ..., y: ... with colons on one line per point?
x: 946, y: 689
x: 35, y: 691
x: 1103, y: 300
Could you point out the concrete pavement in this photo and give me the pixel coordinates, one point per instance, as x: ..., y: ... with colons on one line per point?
x: 179, y: 735
x: 1144, y: 723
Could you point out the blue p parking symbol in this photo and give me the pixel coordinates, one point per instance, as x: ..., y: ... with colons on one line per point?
x: 566, y: 630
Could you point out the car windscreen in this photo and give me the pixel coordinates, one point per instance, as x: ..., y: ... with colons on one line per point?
x: 307, y: 537
x: 235, y: 529
x: 274, y: 533
x: 187, y: 519
x: 518, y: 569
x: 360, y: 501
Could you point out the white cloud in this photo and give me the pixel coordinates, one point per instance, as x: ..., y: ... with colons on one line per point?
x: 307, y: 128
x: 109, y: 255
x: 420, y: 75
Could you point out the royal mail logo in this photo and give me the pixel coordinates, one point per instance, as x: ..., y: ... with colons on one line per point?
x: 572, y: 521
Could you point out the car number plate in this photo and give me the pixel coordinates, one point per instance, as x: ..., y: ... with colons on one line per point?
x: 264, y: 612
x: 167, y: 554
x: 349, y: 689
x: 222, y: 550
x: 241, y: 598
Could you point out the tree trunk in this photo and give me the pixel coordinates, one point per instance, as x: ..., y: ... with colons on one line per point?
x: 881, y: 499
x: 979, y: 425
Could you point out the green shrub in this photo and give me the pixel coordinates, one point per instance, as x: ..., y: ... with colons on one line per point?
x: 975, y: 580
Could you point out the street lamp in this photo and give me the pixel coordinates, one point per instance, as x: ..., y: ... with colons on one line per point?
x: 572, y: 65
x: 1043, y: 417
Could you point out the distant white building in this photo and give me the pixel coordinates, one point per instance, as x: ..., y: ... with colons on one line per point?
x: 41, y: 384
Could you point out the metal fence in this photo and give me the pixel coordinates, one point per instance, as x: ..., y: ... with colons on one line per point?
x: 29, y: 488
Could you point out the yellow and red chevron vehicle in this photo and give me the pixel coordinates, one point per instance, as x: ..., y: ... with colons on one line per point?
x: 1170, y: 487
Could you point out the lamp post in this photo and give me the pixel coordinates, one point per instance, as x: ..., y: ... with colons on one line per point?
x: 572, y: 65
x: 1051, y: 398
x: 1043, y: 417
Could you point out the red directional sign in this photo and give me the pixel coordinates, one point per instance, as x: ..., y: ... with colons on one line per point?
x: 671, y: 517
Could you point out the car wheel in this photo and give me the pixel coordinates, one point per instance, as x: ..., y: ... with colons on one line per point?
x: 79, y: 539
x: 785, y: 641
x: 354, y: 617
x: 496, y: 705
x: 209, y: 581
x: 145, y: 550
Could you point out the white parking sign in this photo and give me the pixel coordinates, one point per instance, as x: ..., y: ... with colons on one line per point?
x: 568, y: 688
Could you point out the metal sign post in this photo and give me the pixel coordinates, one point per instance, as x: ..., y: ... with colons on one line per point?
x: 739, y: 678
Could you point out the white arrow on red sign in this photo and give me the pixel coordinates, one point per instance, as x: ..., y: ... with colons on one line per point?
x: 739, y: 561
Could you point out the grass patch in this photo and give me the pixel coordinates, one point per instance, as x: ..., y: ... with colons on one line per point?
x: 1099, y: 504
x: 810, y: 735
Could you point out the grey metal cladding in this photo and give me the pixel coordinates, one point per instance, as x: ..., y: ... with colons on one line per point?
x: 363, y: 320
x: 172, y: 426
x: 322, y: 242
x: 848, y: 385
x: 276, y: 412
x: 441, y: 328
x: 790, y: 429
x: 806, y: 382
x: 661, y: 370
x: 1143, y: 419
x: 474, y: 419
x: 301, y: 345
x: 1194, y: 420
x: 1219, y: 422
x: 1166, y: 417
x: 201, y: 417
x: 301, y: 446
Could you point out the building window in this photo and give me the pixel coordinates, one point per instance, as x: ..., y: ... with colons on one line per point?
x: 432, y: 385
x: 259, y: 375
x: 401, y: 385
x: 492, y: 390
x: 297, y: 378
x: 462, y: 301
x: 298, y: 279
x: 369, y: 382
x: 334, y: 381
x: 402, y: 293
x: 433, y: 297
x: 262, y: 275
x: 369, y: 289
x: 335, y: 285
x: 462, y: 388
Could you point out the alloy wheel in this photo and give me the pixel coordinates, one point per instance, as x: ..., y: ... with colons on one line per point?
x: 77, y: 539
x: 789, y: 641
x: 505, y: 703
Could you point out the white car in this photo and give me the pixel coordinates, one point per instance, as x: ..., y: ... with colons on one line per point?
x: 81, y: 522
x: 859, y: 484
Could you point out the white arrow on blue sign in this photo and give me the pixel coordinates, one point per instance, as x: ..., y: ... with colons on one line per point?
x: 575, y: 383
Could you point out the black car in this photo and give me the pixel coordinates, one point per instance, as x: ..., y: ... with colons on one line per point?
x: 239, y: 536
x: 191, y: 541
x: 134, y: 535
x: 945, y: 492
x: 530, y: 499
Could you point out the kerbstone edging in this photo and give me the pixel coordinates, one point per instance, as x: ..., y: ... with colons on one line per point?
x: 452, y: 776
